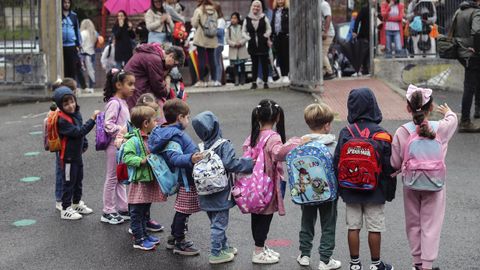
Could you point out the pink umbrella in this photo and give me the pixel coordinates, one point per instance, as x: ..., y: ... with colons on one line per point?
x: 131, y: 7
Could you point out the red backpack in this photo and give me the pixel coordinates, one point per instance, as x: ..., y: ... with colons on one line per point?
x: 179, y: 31
x: 359, y: 166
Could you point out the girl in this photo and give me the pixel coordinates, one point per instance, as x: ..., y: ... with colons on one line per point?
x: 393, y: 13
x: 108, y: 56
x: 159, y: 23
x: 424, y: 210
x: 123, y: 33
x: 118, y: 87
x: 266, y: 115
x: 89, y: 39
x: 280, y: 36
x: 238, y: 50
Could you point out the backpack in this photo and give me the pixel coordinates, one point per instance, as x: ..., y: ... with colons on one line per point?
x: 167, y: 179
x: 253, y: 192
x: 53, y: 141
x: 102, y: 138
x: 358, y: 166
x: 210, y: 26
x: 423, y: 165
x: 125, y: 172
x: 209, y: 174
x: 311, y: 175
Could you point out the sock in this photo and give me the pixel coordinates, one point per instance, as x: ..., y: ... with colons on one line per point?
x: 376, y: 261
x: 354, y: 259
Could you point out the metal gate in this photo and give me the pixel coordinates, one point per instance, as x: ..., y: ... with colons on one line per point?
x: 20, y: 58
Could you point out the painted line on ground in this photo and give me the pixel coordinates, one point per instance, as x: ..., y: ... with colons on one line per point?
x: 36, y: 132
x: 31, y: 154
x: 30, y: 179
x: 24, y: 222
x: 13, y: 122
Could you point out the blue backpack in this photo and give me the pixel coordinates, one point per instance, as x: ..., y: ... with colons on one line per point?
x: 310, y: 174
x: 167, y: 179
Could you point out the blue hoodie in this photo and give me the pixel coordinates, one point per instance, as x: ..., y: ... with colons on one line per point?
x: 364, y: 111
x: 207, y: 127
x: 161, y: 136
x: 76, y: 141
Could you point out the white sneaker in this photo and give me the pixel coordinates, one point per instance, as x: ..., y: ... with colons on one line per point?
x: 332, y: 264
x: 286, y: 80
x: 259, y: 81
x: 200, y: 84
x: 270, y: 79
x: 264, y: 258
x: 58, y: 206
x: 70, y: 214
x: 82, y: 208
x: 271, y: 252
x: 89, y: 90
x: 303, y: 260
x: 217, y: 84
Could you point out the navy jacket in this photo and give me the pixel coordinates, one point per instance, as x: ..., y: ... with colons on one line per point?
x: 76, y: 141
x: 161, y: 136
x: 207, y: 127
x: 364, y: 111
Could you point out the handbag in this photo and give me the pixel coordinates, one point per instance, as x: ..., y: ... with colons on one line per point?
x: 447, y: 46
x: 424, y: 44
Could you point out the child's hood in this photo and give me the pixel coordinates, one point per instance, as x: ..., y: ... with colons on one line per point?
x: 161, y: 135
x: 326, y: 139
x: 61, y: 92
x: 207, y: 127
x: 362, y: 105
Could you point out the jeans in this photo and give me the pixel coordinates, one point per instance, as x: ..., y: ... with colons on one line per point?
x: 90, y: 68
x: 218, y: 227
x: 203, y: 54
x: 72, y: 183
x: 138, y: 223
x: 179, y: 225
x: 58, y: 177
x: 256, y: 60
x: 393, y: 36
x: 260, y: 228
x: 219, y: 62
x: 471, y: 88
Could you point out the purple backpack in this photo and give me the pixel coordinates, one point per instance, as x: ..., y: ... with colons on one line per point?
x: 102, y: 138
x: 253, y: 192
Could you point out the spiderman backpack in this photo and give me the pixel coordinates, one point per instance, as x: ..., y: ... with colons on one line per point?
x: 359, y: 166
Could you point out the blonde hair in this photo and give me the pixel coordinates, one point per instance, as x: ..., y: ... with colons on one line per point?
x: 140, y: 114
x: 287, y: 4
x: 87, y: 25
x: 318, y: 115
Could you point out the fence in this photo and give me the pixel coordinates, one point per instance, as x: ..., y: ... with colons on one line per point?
x: 20, y: 58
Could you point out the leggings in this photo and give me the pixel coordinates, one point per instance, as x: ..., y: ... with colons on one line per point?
x: 260, y: 228
x: 263, y: 59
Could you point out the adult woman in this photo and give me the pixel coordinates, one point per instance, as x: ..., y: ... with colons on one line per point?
x: 175, y: 10
x: 256, y: 29
x: 159, y: 23
x: 123, y: 33
x: 89, y: 39
x: 221, y: 42
x: 205, y: 21
x: 392, y: 13
x: 280, y: 36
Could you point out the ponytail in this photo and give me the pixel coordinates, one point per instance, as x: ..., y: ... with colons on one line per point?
x: 267, y: 111
x: 419, y: 113
x: 113, y: 76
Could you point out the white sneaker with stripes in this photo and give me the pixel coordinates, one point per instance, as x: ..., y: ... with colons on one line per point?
x: 70, y: 214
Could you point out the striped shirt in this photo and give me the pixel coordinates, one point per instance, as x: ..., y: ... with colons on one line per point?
x: 393, y: 26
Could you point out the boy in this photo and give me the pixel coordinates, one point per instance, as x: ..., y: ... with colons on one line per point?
x: 177, y: 115
x: 144, y: 189
x: 319, y: 118
x: 364, y: 114
x: 74, y: 144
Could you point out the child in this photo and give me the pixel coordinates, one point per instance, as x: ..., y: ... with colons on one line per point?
x: 266, y: 115
x: 237, y: 48
x: 74, y: 143
x: 217, y: 205
x: 177, y: 114
x: 144, y: 189
x: 424, y: 210
x: 108, y: 56
x: 118, y: 86
x: 364, y: 113
x: 319, y: 118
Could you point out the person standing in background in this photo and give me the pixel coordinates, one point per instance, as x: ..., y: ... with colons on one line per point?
x: 361, y: 30
x: 237, y: 48
x: 159, y: 23
x: 71, y: 40
x: 221, y: 42
x: 280, y: 36
x: 123, y: 33
x: 175, y: 10
x: 327, y: 37
x: 89, y: 39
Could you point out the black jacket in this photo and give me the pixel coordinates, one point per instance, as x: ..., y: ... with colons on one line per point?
x: 364, y: 111
x: 123, y: 42
x: 284, y: 22
x: 258, y: 43
x: 467, y: 29
x: 363, y: 22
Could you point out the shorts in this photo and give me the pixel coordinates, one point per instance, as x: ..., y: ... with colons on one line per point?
x: 374, y: 216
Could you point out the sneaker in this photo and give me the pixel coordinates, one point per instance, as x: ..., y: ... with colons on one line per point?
x: 286, y: 80
x: 153, y: 239
x: 185, y: 248
x: 70, y: 214
x: 154, y: 226
x: 270, y: 79
x: 89, y: 90
x: 466, y: 126
x: 223, y: 257
x: 217, y: 84
x: 144, y: 244
x: 272, y: 252
x: 125, y: 215
x: 264, y: 258
x: 259, y: 81
x: 170, y: 242
x: 381, y: 266
x: 58, y: 206
x: 200, y: 84
x: 303, y: 260
x: 254, y: 86
x: 82, y: 208
x: 231, y: 250
x: 112, y: 218
x: 356, y: 266
x: 130, y: 231
x: 332, y: 264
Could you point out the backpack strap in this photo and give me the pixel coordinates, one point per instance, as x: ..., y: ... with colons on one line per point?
x: 412, y: 128
x: 217, y: 144
x: 64, y: 139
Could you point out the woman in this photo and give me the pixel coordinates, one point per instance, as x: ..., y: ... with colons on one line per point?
x: 89, y: 39
x: 175, y: 10
x: 280, y: 36
x: 123, y: 34
x: 221, y: 42
x: 392, y: 13
x: 159, y: 23
x: 256, y: 29
x: 204, y: 18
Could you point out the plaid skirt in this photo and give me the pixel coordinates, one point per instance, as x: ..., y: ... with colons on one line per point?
x: 187, y: 202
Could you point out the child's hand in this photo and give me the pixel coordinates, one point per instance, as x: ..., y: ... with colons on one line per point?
x: 144, y: 161
x: 95, y: 114
x: 443, y: 109
x: 197, y: 157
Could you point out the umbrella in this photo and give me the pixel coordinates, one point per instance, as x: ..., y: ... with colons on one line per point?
x: 355, y: 50
x: 131, y: 7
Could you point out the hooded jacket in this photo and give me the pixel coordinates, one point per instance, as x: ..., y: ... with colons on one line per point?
x: 207, y: 127
x: 148, y: 67
x: 70, y: 30
x: 76, y: 141
x: 143, y: 172
x: 467, y: 29
x: 161, y: 136
x: 364, y: 111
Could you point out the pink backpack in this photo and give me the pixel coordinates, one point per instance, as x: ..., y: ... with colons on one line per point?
x: 423, y: 165
x: 253, y: 192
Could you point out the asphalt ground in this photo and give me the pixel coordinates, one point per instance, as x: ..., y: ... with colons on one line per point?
x: 52, y: 243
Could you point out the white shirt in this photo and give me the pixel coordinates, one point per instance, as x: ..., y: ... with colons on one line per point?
x: 327, y: 11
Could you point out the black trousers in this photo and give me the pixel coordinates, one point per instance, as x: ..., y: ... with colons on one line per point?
x: 260, y: 228
x: 206, y: 54
x: 70, y: 62
x: 263, y: 58
x: 179, y: 225
x: 471, y: 86
x: 282, y: 51
x: 72, y: 183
